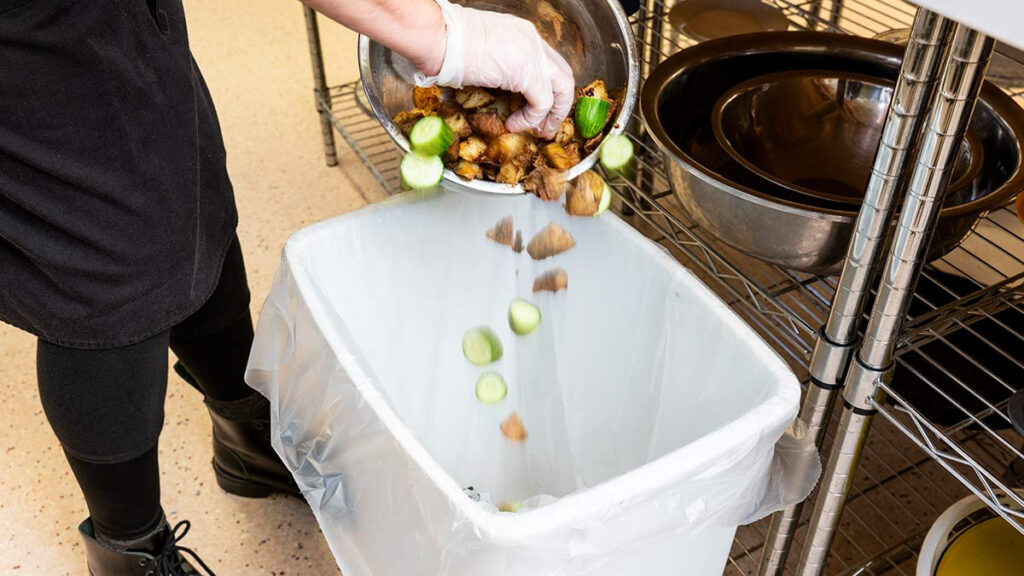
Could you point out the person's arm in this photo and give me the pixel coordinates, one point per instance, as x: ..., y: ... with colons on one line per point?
x: 412, y: 28
x: 461, y: 46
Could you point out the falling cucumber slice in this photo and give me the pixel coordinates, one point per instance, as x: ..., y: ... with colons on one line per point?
x: 420, y: 171
x: 606, y: 200
x: 431, y: 136
x: 491, y: 388
x: 617, y: 154
x: 591, y: 116
x: 523, y: 316
x: 481, y: 346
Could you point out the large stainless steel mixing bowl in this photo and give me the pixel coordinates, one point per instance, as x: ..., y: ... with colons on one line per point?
x: 815, y: 132
x: 596, y: 40
x: 770, y: 222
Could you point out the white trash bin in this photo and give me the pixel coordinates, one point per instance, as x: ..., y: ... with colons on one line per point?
x: 652, y: 410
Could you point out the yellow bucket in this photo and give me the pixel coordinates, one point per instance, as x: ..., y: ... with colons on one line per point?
x: 990, y: 547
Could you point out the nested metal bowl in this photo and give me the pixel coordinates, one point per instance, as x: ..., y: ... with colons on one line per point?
x: 768, y: 221
x: 596, y: 40
x: 815, y: 132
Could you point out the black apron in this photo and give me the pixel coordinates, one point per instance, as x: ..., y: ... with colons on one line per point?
x: 115, y: 205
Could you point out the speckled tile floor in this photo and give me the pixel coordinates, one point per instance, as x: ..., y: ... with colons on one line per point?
x: 255, y: 59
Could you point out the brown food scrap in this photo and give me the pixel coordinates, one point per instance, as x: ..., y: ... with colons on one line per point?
x: 596, y: 89
x: 428, y: 99
x: 456, y: 120
x: 472, y: 148
x: 547, y: 183
x: 592, y: 144
x: 613, y: 107
x: 486, y: 123
x: 517, y: 244
x: 451, y: 155
x: 472, y: 97
x: 551, y: 281
x: 508, y: 102
x: 513, y: 429
x: 558, y: 157
x: 468, y: 170
x: 573, y: 150
x: 530, y: 155
x: 502, y: 232
x: 449, y: 108
x: 541, y: 161
x: 516, y: 101
x: 550, y: 241
x: 406, y: 119
x: 510, y: 173
x: 517, y: 148
x: 490, y: 171
x: 493, y: 153
x: 584, y: 198
x: 566, y: 132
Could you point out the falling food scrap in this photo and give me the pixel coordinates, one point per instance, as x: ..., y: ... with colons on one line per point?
x: 547, y: 183
x: 584, y: 198
x: 552, y: 240
x: 513, y: 428
x: 517, y: 246
x: 502, y: 232
x: 551, y: 281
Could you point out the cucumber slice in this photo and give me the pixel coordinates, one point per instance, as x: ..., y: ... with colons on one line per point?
x: 591, y: 116
x: 420, y: 171
x: 431, y: 136
x: 481, y: 346
x: 491, y: 388
x: 617, y: 154
x: 523, y: 316
x: 606, y: 200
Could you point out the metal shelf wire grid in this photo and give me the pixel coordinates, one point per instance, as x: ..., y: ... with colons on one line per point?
x: 348, y: 110
x: 897, y: 493
x: 961, y: 299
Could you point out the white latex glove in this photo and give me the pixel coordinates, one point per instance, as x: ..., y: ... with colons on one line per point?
x: 493, y: 50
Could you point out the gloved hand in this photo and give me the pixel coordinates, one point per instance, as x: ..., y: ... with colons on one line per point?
x: 493, y: 50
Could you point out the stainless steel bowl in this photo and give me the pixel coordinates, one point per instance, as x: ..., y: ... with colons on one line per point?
x: 768, y: 221
x: 706, y: 19
x: 597, y: 42
x: 815, y: 132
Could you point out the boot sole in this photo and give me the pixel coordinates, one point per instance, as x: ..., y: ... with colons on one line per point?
x: 247, y: 488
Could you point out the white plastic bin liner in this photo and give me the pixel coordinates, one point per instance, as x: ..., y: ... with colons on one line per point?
x: 652, y: 410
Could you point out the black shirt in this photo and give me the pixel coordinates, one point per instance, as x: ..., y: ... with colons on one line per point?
x: 115, y: 205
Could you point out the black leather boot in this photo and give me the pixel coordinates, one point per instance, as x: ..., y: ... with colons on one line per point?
x: 243, y: 459
x: 157, y: 555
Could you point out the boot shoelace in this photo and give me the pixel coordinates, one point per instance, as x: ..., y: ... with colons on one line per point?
x: 170, y: 561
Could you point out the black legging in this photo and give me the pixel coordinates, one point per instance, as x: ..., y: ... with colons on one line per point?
x: 107, y: 406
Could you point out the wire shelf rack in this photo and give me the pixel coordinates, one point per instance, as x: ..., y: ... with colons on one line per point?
x: 349, y: 112
x: 967, y: 316
x: 896, y: 495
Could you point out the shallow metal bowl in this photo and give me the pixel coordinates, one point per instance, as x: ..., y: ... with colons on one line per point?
x: 815, y: 132
x: 767, y: 221
x: 706, y: 19
x: 597, y: 42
